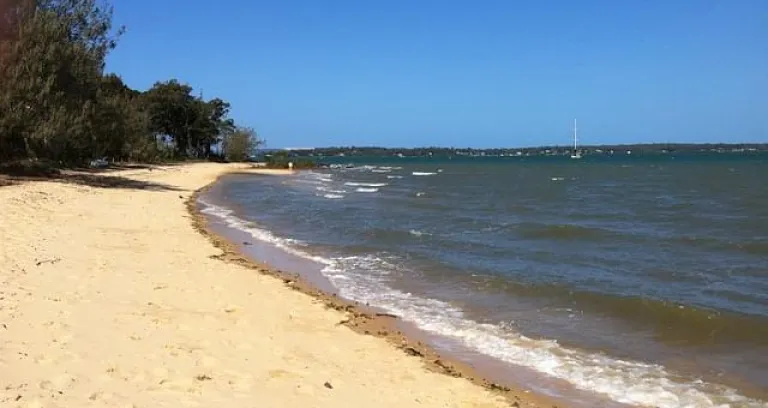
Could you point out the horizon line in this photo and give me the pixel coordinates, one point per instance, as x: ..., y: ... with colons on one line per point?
x: 523, y: 147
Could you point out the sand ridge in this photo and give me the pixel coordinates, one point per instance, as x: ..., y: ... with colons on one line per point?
x: 110, y: 298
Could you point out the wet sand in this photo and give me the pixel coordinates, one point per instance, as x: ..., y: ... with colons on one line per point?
x: 110, y: 296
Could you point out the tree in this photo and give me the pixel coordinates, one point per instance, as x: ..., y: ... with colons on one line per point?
x: 50, y: 81
x: 57, y: 104
x: 213, y: 124
x: 193, y: 124
x: 123, y: 123
x: 240, y: 144
x: 170, y: 106
x: 210, y: 124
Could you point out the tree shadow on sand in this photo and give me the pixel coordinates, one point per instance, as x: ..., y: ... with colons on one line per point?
x: 99, y: 178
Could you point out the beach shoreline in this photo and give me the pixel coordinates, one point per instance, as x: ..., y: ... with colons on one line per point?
x: 368, y: 320
x: 111, y: 299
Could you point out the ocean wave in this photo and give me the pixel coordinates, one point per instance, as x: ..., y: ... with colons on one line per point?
x: 330, y: 190
x: 319, y: 174
x: 560, y: 231
x: 683, y: 323
x: 750, y: 247
x: 423, y: 173
x: 394, y: 177
x: 363, y: 278
x: 315, y: 182
x: 232, y: 221
x: 353, y: 184
x: 333, y: 196
x: 624, y: 381
x: 366, y: 190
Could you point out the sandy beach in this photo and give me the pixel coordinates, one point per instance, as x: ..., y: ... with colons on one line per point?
x: 110, y: 296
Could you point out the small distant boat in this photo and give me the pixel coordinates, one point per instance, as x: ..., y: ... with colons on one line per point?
x: 576, y: 154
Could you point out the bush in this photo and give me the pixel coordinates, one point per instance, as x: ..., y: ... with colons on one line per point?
x: 29, y: 168
x: 280, y: 160
x: 57, y: 103
x: 240, y: 144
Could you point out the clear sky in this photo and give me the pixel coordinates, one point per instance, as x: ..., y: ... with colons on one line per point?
x: 462, y: 73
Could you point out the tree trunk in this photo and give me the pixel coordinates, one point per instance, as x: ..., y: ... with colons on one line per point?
x: 28, y: 149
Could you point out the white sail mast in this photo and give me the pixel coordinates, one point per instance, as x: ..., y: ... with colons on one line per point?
x: 574, y: 137
x: 575, y: 154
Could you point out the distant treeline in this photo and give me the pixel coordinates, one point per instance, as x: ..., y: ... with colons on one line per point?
x: 59, y: 106
x: 656, y: 148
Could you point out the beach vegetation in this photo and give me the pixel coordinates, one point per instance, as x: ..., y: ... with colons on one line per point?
x: 280, y: 160
x: 58, y: 105
x: 240, y: 144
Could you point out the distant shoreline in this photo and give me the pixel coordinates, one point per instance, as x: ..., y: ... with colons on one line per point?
x: 546, y: 150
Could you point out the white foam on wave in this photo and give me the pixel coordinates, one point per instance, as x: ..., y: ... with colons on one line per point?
x: 352, y: 184
x: 232, y: 221
x: 367, y: 190
x: 364, y: 278
x: 626, y: 382
x: 418, y: 233
x: 367, y: 168
x: 330, y: 190
x: 322, y: 177
x: 381, y: 171
x: 333, y: 196
x: 394, y: 177
x: 423, y: 173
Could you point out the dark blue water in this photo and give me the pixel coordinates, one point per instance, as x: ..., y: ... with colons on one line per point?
x: 641, y: 279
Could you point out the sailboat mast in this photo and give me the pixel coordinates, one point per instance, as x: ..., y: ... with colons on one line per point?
x: 574, y: 136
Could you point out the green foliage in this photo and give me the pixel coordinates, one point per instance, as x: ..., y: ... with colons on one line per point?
x: 240, y: 144
x: 58, y: 105
x: 50, y: 80
x: 192, y: 124
x: 280, y: 160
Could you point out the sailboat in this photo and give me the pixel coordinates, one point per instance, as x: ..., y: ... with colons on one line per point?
x: 576, y: 154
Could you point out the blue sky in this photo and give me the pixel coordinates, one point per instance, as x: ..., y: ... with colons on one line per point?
x: 462, y: 73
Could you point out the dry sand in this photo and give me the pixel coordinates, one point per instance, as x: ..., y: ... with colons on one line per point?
x: 109, y: 297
